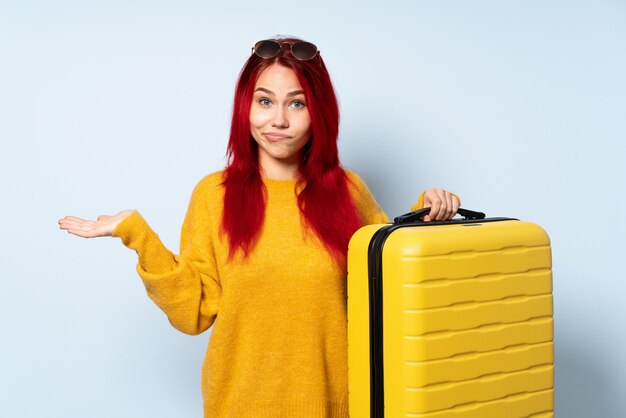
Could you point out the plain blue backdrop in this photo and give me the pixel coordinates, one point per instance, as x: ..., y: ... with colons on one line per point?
x: 517, y: 106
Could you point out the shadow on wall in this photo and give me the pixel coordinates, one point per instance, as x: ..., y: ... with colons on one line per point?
x: 583, y: 389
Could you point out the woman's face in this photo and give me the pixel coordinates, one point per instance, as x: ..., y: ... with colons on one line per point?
x: 279, y: 118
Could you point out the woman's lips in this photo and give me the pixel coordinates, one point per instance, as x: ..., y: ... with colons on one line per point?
x: 273, y: 137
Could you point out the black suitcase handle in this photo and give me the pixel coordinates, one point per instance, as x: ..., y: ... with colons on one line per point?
x: 416, y: 216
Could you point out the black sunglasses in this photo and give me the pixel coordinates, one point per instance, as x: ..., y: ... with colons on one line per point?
x: 270, y: 48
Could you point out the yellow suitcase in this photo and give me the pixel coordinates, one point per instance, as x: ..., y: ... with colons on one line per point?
x: 450, y: 319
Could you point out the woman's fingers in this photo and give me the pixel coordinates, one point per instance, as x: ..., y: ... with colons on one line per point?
x: 455, y: 205
x: 449, y: 207
x: 443, y: 205
x: 73, y: 224
x: 443, y: 209
x: 73, y: 218
x: 87, y: 228
x: 432, y: 199
x: 438, y: 209
x: 103, y: 226
x: 80, y: 228
x: 82, y: 232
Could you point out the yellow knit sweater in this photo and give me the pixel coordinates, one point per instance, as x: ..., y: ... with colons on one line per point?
x: 278, y: 348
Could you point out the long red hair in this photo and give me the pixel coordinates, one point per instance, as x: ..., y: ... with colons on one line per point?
x: 325, y: 204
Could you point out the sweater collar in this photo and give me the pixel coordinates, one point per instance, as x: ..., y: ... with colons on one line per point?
x: 279, y: 186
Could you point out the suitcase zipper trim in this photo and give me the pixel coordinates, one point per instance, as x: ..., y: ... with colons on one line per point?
x: 375, y: 287
x: 377, y: 392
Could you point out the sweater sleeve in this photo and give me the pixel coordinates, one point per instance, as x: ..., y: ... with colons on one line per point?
x: 369, y: 210
x: 185, y: 287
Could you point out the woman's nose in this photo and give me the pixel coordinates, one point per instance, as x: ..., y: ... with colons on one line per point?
x: 279, y: 120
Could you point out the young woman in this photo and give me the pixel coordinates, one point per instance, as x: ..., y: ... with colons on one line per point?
x: 263, y: 246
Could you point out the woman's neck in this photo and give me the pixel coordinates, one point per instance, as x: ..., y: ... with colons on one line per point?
x: 278, y: 170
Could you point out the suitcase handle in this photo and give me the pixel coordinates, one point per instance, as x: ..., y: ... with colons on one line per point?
x: 416, y: 216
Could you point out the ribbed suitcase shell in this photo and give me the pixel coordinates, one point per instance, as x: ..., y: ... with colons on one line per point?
x: 466, y: 320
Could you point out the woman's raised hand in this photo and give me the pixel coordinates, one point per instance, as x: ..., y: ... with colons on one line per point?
x: 443, y: 204
x: 103, y: 226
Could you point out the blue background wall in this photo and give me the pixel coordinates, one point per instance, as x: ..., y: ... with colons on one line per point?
x: 516, y: 106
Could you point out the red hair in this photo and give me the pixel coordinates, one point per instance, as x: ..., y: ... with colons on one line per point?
x: 325, y: 203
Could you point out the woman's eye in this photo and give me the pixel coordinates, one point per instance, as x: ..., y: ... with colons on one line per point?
x: 298, y: 104
x: 265, y: 102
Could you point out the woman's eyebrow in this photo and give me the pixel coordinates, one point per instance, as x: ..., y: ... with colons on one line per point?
x: 264, y: 89
x: 293, y: 93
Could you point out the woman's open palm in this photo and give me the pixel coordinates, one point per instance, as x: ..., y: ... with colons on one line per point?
x: 103, y: 226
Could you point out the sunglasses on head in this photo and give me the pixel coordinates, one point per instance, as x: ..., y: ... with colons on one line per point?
x: 270, y: 48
